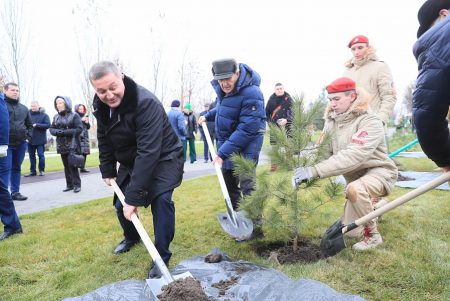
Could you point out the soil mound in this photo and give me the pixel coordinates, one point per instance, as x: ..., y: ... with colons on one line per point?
x: 307, y: 252
x: 186, y: 289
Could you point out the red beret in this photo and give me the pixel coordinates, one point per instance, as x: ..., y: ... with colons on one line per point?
x: 342, y: 84
x: 358, y: 39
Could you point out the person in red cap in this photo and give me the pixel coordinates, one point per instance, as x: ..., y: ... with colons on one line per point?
x: 358, y: 152
x: 431, y: 98
x: 373, y: 75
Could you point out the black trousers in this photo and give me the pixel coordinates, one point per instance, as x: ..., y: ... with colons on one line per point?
x: 237, y: 186
x: 72, y: 173
x: 163, y: 212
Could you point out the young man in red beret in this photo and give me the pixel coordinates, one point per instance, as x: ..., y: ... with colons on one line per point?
x: 358, y: 152
x: 431, y: 98
x: 373, y: 75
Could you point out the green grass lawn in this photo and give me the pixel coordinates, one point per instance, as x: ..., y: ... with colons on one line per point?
x: 67, y: 251
x: 54, y: 163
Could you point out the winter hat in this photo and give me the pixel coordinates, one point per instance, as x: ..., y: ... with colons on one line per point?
x: 358, y: 39
x: 175, y: 104
x: 430, y: 12
x: 188, y: 106
x: 224, y: 68
x: 341, y: 84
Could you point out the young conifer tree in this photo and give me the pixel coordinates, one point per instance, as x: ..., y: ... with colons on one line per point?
x: 278, y: 208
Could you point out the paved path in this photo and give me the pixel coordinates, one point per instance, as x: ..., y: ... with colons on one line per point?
x: 45, y: 192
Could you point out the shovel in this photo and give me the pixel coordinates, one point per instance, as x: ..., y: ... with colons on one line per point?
x: 236, y: 224
x: 333, y: 240
x: 157, y: 283
x: 404, y: 147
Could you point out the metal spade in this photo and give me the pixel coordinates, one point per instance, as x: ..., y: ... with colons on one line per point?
x: 333, y: 240
x: 236, y: 224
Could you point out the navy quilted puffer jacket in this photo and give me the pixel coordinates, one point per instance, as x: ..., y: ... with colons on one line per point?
x: 240, y: 117
x: 431, y: 99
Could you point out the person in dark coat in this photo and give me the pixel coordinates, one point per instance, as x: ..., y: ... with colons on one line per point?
x: 67, y: 127
x: 134, y: 131
x: 279, y: 112
x: 240, y: 121
x: 84, y: 136
x: 41, y: 122
x: 431, y: 98
x: 191, y: 129
x: 211, y: 131
x: 8, y: 215
x: 20, y: 130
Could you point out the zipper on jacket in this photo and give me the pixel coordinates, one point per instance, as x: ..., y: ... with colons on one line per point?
x: 113, y: 125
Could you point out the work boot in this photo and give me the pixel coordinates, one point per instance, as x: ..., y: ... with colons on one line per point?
x: 84, y: 170
x: 371, y: 239
x: 31, y: 174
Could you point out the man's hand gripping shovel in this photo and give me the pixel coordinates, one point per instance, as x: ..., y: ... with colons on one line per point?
x: 155, y: 285
x: 236, y: 224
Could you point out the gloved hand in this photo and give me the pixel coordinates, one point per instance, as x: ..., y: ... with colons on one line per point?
x: 301, y: 175
x: 3, y: 150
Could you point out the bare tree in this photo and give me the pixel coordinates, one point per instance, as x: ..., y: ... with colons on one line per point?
x: 408, y: 97
x: 14, y: 63
x: 90, y: 42
x: 190, y: 79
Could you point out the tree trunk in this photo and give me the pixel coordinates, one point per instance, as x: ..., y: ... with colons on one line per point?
x: 295, y: 243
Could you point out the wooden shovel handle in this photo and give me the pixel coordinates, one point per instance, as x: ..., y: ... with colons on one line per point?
x: 144, y: 236
x: 223, y: 186
x: 404, y: 198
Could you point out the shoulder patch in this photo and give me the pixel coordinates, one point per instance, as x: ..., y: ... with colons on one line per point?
x: 362, y: 134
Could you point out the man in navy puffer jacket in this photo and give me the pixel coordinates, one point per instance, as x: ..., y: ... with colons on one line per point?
x: 240, y: 120
x: 431, y: 99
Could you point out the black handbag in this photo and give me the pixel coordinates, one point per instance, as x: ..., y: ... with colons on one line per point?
x: 75, y: 159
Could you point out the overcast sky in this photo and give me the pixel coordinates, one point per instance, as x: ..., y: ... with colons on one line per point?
x: 302, y: 44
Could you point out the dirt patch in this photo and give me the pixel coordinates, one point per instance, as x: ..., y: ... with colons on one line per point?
x: 282, y: 253
x: 241, y: 270
x: 404, y: 178
x: 213, y: 258
x: 224, y: 285
x: 186, y: 289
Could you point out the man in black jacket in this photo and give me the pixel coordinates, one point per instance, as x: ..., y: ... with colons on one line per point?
x: 20, y: 130
x: 133, y: 130
x: 41, y: 122
x: 279, y: 112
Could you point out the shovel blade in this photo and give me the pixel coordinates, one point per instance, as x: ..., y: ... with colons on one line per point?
x: 243, y: 228
x: 156, y: 284
x: 333, y: 240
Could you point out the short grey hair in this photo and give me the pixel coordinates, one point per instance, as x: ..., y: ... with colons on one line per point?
x: 100, y: 69
x: 34, y: 102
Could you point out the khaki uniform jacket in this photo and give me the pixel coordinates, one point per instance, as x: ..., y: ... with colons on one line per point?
x: 357, y: 145
x: 375, y: 77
